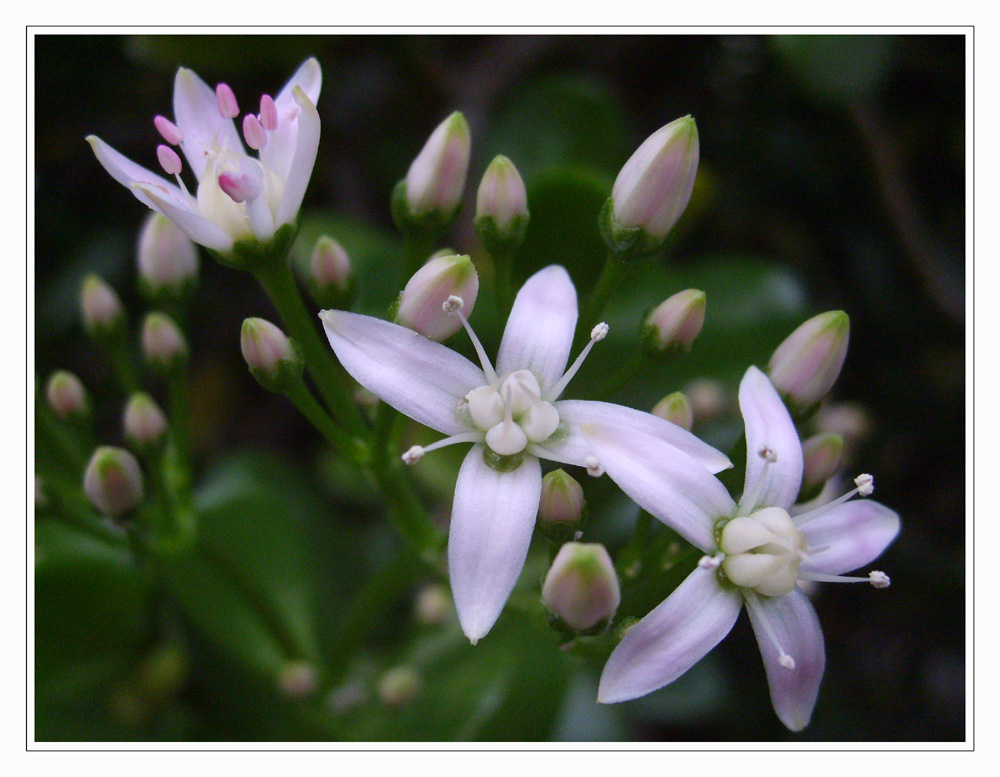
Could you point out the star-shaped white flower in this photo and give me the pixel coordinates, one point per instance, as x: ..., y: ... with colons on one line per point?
x: 756, y: 550
x: 511, y: 414
x: 239, y: 197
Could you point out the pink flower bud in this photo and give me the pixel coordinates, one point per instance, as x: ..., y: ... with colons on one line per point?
x: 163, y: 343
x: 421, y: 305
x: 806, y: 365
x: 676, y: 322
x: 274, y: 360
x: 66, y: 395
x: 330, y: 266
x: 501, y: 195
x: 143, y: 421
x: 653, y: 188
x: 581, y: 587
x: 102, y: 309
x: 436, y: 178
x: 677, y: 409
x: 168, y: 260
x: 113, y: 481
x: 821, y: 457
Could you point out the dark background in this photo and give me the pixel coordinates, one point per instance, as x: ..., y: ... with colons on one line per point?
x: 841, y: 160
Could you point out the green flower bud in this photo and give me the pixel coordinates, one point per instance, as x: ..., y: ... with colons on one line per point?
x: 581, y: 588
x: 805, y: 366
x: 561, y: 506
x: 422, y: 303
x: 113, y: 481
x: 399, y: 686
x: 144, y: 422
x: 163, y: 343
x: 501, y: 208
x: 677, y: 409
x: 274, y: 359
x: 67, y: 397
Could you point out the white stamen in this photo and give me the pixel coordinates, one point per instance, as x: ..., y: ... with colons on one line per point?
x: 453, y: 304
x: 753, y: 603
x: 878, y: 579
x: 597, y: 334
x: 484, y: 360
x: 865, y: 484
x: 594, y: 468
x: 413, y: 455
x: 711, y: 562
x: 749, y: 500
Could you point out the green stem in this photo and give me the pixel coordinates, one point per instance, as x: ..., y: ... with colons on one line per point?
x: 180, y: 422
x: 629, y: 371
x: 348, y: 446
x: 80, y: 516
x: 613, y: 273
x: 503, y: 267
x: 276, y: 279
x: 122, y: 363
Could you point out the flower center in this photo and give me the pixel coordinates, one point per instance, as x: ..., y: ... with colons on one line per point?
x: 512, y: 413
x: 763, y: 551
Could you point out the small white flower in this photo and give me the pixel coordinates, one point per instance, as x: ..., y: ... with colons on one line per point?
x: 239, y: 197
x: 755, y: 552
x: 511, y: 414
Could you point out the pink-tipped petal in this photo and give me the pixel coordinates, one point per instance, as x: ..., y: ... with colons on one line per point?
x: 850, y: 536
x: 282, y: 145
x: 539, y: 332
x: 576, y: 412
x: 662, y: 480
x: 769, y: 425
x: 420, y: 378
x: 792, y: 620
x: 196, y: 111
x: 491, y: 524
x: 304, y: 157
x: 671, y: 639
x: 308, y: 77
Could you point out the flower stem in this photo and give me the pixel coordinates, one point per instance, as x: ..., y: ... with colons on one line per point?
x: 613, y: 273
x: 276, y: 279
x: 349, y: 447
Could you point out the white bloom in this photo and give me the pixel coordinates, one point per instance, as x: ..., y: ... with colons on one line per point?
x: 761, y: 548
x: 513, y: 417
x: 239, y: 197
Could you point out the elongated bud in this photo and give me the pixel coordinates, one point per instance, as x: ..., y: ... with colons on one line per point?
x: 677, y: 409
x: 501, y: 207
x: 431, y: 193
x: 103, y: 314
x: 675, y: 323
x: 421, y: 305
x: 331, y: 279
x: 399, y: 686
x: 168, y: 260
x: 560, y: 507
x: 144, y: 422
x: 274, y: 359
x: 806, y: 365
x: 67, y: 397
x: 581, y: 589
x: 163, y: 343
x: 113, y: 481
x: 821, y: 458
x: 652, y: 190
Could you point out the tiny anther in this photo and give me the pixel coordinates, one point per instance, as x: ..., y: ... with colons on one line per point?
x: 594, y: 468
x: 786, y: 661
x: 253, y: 132
x: 878, y: 579
x: 767, y: 454
x: 711, y: 562
x: 170, y: 131
x: 599, y: 332
x: 413, y: 455
x: 228, y: 106
x: 268, y: 113
x: 169, y: 161
x: 865, y: 484
x: 453, y: 304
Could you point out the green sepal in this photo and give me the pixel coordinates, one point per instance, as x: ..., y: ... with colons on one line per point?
x: 625, y: 244
x: 286, y: 374
x: 501, y: 463
x: 430, y: 223
x: 501, y: 242
x: 252, y: 255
